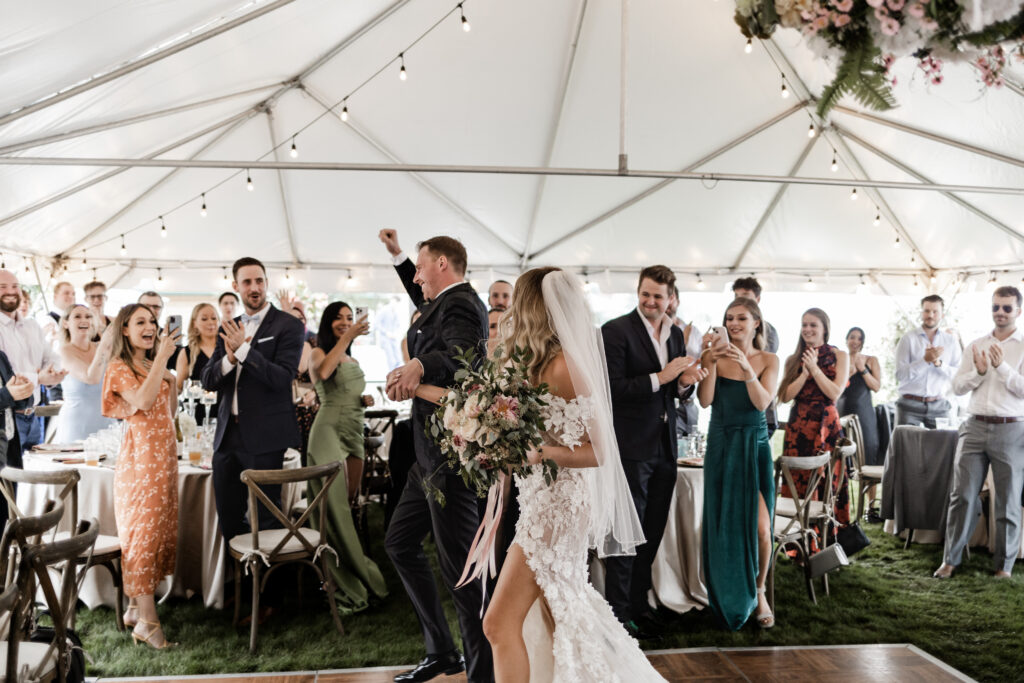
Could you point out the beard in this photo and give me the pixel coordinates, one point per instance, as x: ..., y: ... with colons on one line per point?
x: 10, y: 303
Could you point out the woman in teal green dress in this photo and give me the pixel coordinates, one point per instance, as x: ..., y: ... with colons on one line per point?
x: 739, y: 491
x: 337, y: 436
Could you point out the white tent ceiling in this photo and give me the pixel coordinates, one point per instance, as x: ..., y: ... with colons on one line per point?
x: 533, y: 84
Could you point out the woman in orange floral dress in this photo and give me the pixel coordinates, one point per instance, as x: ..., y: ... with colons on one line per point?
x: 138, y: 389
x: 810, y: 381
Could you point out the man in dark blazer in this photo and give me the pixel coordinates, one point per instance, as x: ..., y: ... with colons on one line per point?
x: 648, y: 370
x: 15, y: 394
x: 454, y: 318
x: 252, y: 369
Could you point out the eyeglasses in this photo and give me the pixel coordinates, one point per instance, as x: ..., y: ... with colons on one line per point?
x: 98, y: 297
x: 1007, y: 308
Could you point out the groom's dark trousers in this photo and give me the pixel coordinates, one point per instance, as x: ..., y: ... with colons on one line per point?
x: 455, y: 318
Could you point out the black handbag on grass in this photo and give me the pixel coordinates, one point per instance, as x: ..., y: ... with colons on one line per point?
x: 852, y: 538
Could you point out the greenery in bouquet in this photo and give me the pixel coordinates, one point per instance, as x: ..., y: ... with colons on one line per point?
x: 865, y: 37
x: 489, y: 420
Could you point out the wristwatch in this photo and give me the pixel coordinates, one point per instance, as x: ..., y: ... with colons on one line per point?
x: 938, y: 363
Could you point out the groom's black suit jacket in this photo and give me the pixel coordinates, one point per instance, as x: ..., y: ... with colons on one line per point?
x: 639, y: 414
x: 456, y: 319
x: 10, y: 451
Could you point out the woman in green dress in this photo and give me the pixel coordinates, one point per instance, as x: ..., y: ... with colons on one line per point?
x: 739, y: 491
x: 337, y: 436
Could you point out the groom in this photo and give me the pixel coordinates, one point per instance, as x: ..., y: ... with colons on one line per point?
x: 453, y: 317
x: 648, y: 370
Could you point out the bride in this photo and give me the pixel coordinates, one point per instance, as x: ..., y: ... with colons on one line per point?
x: 545, y: 621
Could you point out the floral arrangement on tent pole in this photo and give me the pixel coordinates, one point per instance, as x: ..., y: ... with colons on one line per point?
x: 865, y: 37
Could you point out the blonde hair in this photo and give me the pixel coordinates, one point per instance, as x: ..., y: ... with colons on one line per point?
x: 526, y: 325
x: 194, y: 338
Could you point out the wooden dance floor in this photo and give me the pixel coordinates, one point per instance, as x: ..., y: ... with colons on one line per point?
x: 904, y: 663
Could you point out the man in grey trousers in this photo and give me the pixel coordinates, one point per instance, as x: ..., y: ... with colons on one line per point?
x: 993, y: 371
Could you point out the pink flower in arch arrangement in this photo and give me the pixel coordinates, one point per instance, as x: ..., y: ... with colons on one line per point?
x: 890, y: 26
x: 840, y: 20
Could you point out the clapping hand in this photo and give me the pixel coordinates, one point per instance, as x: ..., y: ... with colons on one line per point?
x: 285, y: 299
x: 980, y: 360
x: 933, y: 353
x: 674, y: 368
x: 51, y: 376
x: 20, y: 387
x: 233, y: 335
x: 995, y: 355
x: 860, y: 362
x: 810, y: 360
x: 693, y: 374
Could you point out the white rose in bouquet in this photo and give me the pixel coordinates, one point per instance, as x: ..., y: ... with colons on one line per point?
x: 474, y: 406
x: 468, y: 429
x: 451, y: 417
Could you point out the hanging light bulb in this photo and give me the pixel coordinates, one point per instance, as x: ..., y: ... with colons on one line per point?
x: 159, y: 275
x: 344, y: 110
x: 295, y: 150
x: 785, y: 90
x: 749, y: 47
x: 226, y: 279
x: 3, y: 262
x: 94, y: 275
x: 202, y: 210
x: 811, y: 131
x: 878, y: 217
x: 65, y: 266
x: 835, y: 163
x: 29, y: 270
x: 897, y: 244
x: 402, y: 73
x: 248, y: 181
x: 809, y: 285
x: 124, y: 249
x: 991, y: 285
x: 287, y: 274
x: 916, y: 285
x: 913, y: 258
x: 700, y: 282
x: 862, y: 286
x: 465, y: 23
x: 85, y: 262
x: 163, y: 228
x: 853, y: 195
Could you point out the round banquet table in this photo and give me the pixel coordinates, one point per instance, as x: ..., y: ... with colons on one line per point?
x: 201, y: 562
x: 677, y: 574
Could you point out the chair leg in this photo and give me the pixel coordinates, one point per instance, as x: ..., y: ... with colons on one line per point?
x: 910, y: 538
x: 114, y: 567
x: 238, y: 592
x: 329, y: 583
x: 255, y: 621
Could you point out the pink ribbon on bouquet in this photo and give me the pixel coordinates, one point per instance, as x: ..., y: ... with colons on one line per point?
x: 481, y: 562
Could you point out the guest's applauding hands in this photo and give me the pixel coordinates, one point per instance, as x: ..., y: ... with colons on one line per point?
x: 980, y: 361
x: 233, y: 336
x: 20, y: 387
x: 51, y: 375
x: 995, y: 355
x: 810, y: 360
x: 933, y: 353
x: 673, y: 369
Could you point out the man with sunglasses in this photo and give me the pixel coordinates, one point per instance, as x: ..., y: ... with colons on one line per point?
x: 993, y: 435
x: 926, y: 360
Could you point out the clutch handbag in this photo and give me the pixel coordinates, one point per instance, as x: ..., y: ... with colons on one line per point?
x: 824, y: 561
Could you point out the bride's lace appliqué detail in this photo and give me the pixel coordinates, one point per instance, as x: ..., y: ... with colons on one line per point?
x: 588, y: 643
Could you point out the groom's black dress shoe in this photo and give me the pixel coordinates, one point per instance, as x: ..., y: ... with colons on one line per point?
x: 639, y: 632
x: 433, y: 665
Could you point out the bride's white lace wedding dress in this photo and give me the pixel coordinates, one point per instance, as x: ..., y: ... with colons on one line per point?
x: 577, y: 639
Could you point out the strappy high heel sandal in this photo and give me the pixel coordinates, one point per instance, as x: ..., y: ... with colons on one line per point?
x: 765, y: 620
x: 139, y: 638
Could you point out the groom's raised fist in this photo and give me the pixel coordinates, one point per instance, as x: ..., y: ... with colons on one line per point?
x: 390, y: 240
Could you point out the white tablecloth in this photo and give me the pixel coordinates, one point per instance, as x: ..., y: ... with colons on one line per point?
x: 677, y: 574
x: 201, y: 562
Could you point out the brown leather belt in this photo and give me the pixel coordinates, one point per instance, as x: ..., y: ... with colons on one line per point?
x: 922, y: 399
x: 26, y: 411
x: 996, y: 420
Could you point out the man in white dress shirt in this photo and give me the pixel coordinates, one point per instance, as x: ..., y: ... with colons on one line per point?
x: 30, y: 354
x: 926, y: 361
x: 993, y: 435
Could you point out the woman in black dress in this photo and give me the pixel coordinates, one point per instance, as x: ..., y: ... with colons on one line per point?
x: 865, y: 378
x: 202, y: 340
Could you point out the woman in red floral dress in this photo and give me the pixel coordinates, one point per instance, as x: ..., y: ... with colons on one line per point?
x: 810, y: 382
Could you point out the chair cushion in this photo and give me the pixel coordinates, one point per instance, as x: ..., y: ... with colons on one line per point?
x: 31, y: 655
x: 786, y: 507
x: 780, y: 530
x: 242, y: 543
x: 104, y: 544
x: 872, y: 472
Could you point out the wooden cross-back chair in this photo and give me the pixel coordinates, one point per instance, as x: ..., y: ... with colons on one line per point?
x: 294, y: 542
x: 107, y: 549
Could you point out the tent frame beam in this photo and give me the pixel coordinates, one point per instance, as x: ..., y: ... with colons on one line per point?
x: 947, y: 192
x: 152, y: 188
x: 285, y: 206
x: 619, y: 208
x: 556, y: 125
x: 121, y: 123
x: 140, y: 63
x: 132, y: 163
x: 363, y: 134
x: 501, y: 170
x: 779, y: 194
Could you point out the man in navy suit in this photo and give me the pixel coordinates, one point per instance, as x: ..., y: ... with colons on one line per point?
x: 252, y: 369
x: 648, y: 369
x: 15, y: 394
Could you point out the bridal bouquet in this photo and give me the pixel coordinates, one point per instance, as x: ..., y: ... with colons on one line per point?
x: 489, y: 420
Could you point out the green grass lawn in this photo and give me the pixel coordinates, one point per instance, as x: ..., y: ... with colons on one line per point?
x: 887, y: 596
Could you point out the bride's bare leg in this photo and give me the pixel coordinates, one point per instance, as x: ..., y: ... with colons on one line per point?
x: 764, y: 551
x: 503, y: 623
